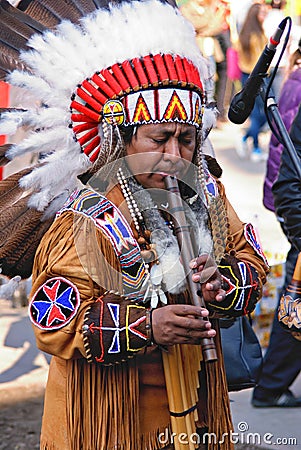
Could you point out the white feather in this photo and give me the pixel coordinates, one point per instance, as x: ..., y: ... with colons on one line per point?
x: 42, y: 117
x: 44, y: 141
x: 209, y: 118
x: 52, y: 196
x: 63, y: 167
x: 10, y: 122
x: 154, y: 299
x: 58, y: 202
x: 162, y: 296
x: 33, y: 83
x: 83, y: 51
x: 47, y: 117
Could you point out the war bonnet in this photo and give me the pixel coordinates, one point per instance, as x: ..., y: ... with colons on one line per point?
x: 94, y: 67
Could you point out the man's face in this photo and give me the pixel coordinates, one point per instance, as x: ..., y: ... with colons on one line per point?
x: 161, y: 149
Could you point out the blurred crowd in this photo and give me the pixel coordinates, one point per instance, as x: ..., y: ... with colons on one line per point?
x: 232, y: 34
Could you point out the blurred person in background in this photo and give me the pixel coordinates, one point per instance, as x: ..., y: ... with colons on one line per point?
x: 210, y: 21
x: 251, y: 42
x: 282, y: 361
x: 276, y: 13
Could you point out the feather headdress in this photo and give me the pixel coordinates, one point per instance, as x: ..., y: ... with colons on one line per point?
x: 91, y: 65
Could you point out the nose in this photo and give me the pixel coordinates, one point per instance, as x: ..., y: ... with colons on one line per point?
x: 172, y: 151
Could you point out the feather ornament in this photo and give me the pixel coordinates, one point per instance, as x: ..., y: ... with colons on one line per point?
x: 40, y: 178
x: 49, y: 189
x: 52, y: 51
x: 19, y: 17
x: 17, y: 253
x: 50, y: 13
x: 3, y: 158
x: 35, y: 84
x: 9, y: 60
x: 41, y: 13
x: 57, y: 203
x: 10, y: 189
x: 44, y: 141
x: 11, y: 120
x: 12, y: 39
x: 52, y: 65
x: 219, y: 226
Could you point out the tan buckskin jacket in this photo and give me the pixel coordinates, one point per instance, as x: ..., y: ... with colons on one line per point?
x: 121, y: 400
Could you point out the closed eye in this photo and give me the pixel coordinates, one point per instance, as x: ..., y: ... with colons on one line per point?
x: 160, y: 141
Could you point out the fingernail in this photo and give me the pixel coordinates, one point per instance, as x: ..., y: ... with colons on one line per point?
x: 195, y: 277
x: 193, y: 264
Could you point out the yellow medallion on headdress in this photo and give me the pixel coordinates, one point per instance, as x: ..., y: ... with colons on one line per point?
x: 113, y: 112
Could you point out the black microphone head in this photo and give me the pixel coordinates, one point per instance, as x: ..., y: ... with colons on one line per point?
x: 240, y: 109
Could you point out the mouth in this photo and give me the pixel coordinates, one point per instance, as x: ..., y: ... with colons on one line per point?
x: 167, y: 174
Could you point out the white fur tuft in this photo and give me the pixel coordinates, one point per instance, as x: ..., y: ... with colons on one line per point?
x: 10, y: 122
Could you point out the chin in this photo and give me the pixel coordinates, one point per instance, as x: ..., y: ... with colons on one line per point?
x: 152, y: 181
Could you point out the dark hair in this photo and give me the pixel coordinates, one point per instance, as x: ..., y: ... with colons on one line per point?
x: 127, y: 133
x: 251, y: 25
x: 278, y: 4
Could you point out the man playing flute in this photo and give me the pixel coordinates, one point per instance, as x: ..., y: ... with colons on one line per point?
x: 123, y: 106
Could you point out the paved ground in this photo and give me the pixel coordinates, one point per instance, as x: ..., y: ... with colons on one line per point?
x: 23, y: 369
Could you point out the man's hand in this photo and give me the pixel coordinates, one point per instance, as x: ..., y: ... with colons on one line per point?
x: 180, y: 324
x: 207, y: 274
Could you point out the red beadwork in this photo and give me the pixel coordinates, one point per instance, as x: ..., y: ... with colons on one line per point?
x: 91, y: 101
x: 95, y: 154
x: 83, y: 127
x: 127, y: 68
x: 182, y: 76
x: 81, y: 118
x: 83, y: 109
x: 92, y: 145
x: 120, y: 77
x: 151, y: 71
x: 112, y: 82
x: 161, y: 69
x: 172, y: 73
x: 103, y: 85
x: 193, y: 75
x: 140, y: 72
x: 95, y: 92
x: 88, y: 136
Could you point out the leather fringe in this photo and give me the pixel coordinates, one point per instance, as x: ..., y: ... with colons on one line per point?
x: 218, y: 409
x: 103, y: 408
x: 46, y: 446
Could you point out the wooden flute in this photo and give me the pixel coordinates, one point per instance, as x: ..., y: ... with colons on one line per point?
x: 177, y: 212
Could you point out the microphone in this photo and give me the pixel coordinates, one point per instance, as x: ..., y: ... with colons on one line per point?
x: 243, y: 102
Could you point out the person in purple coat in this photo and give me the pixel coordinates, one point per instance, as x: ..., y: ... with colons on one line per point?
x: 282, y: 361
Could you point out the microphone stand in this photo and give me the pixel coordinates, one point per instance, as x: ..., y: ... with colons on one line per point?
x: 273, y: 110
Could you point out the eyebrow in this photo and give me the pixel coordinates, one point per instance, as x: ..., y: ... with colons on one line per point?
x: 169, y: 132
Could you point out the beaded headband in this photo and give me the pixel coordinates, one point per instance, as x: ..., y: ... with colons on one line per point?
x: 152, y: 89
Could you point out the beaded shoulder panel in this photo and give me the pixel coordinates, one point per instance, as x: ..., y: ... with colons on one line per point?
x: 109, y: 220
